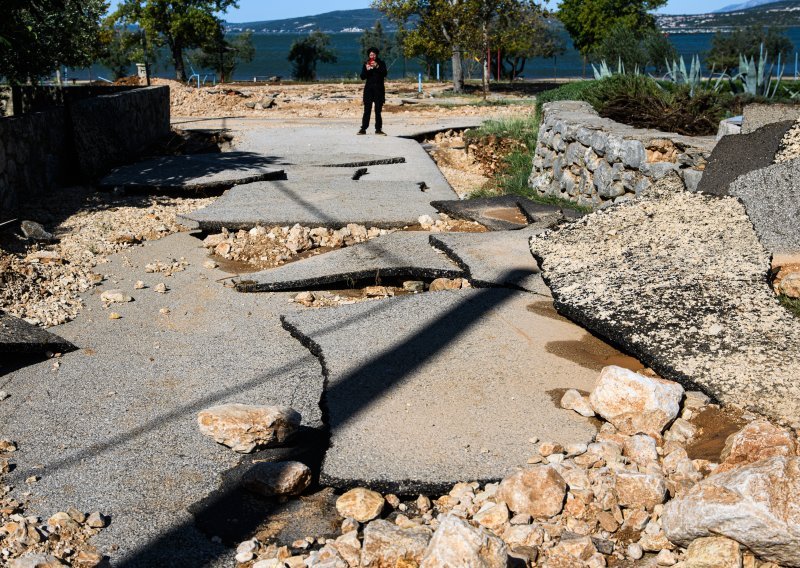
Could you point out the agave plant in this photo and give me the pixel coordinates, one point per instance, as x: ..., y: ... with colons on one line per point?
x: 678, y: 74
x: 757, y: 76
x: 603, y: 71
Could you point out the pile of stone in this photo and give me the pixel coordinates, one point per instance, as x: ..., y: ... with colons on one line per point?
x: 268, y: 247
x: 633, y: 494
x: 42, y: 284
x: 30, y: 542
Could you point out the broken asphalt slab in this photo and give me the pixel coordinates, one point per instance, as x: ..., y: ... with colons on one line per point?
x: 679, y: 280
x: 738, y: 154
x: 499, y: 258
x: 502, y: 213
x: 21, y: 338
x: 194, y: 173
x: 328, y: 201
x: 771, y: 196
x: 402, y: 255
x: 114, y: 427
x: 430, y: 389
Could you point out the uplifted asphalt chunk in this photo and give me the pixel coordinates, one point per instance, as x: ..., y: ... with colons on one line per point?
x: 739, y: 154
x: 395, y: 255
x: 499, y: 258
x: 194, y: 172
x: 757, y: 115
x: 426, y: 390
x: 325, y: 200
x: 771, y: 196
x: 19, y: 337
x: 680, y: 281
x: 502, y: 213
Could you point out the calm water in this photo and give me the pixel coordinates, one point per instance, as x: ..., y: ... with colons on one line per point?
x: 272, y: 49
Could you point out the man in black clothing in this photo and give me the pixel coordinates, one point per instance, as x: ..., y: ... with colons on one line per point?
x: 374, y: 72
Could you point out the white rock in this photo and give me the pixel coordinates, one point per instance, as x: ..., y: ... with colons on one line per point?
x: 115, y: 297
x: 360, y: 504
x: 757, y: 505
x: 635, y: 551
x: 574, y: 400
x: 244, y: 428
x: 386, y: 545
x: 538, y: 492
x: 634, y: 403
x: 278, y: 478
x: 457, y: 543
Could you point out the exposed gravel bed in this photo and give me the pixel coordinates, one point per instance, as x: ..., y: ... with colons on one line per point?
x: 41, y: 283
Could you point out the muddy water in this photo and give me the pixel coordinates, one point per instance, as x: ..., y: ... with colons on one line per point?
x: 714, y: 426
x: 592, y: 353
x: 510, y: 214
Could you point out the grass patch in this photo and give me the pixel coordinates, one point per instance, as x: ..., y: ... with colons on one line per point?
x: 791, y: 304
x: 522, y: 129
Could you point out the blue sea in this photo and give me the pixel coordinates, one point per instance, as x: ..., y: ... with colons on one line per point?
x: 272, y: 49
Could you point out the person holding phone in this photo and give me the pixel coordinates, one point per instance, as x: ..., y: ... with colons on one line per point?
x: 373, y: 72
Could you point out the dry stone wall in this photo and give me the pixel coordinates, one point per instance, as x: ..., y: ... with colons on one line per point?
x: 41, y: 151
x: 109, y: 129
x: 596, y: 162
x: 32, y: 156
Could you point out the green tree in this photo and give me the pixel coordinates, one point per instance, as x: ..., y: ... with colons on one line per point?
x: 659, y: 50
x: 224, y: 53
x: 40, y: 37
x: 443, y: 29
x: 180, y: 24
x: 590, y: 21
x: 726, y: 47
x: 378, y: 38
x: 307, y: 52
x: 122, y: 48
x: 528, y: 35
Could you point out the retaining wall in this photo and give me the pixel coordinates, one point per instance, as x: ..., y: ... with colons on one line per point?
x: 110, y: 129
x: 41, y: 151
x: 32, y: 157
x: 596, y: 162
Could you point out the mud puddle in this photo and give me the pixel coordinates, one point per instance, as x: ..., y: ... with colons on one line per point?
x: 593, y: 353
x: 509, y: 214
x: 714, y: 425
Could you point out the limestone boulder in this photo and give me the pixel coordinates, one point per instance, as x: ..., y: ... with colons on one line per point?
x: 386, y: 545
x: 360, y: 504
x: 457, y: 543
x: 640, y: 449
x: 539, y: 492
x: 574, y: 400
x: 712, y: 552
x: 640, y: 489
x: 756, y: 441
x: 634, y: 403
x: 36, y: 560
x: 757, y: 505
x: 243, y: 428
x: 278, y: 478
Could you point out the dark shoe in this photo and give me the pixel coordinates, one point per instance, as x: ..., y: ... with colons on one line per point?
x: 361, y: 132
x: 380, y: 133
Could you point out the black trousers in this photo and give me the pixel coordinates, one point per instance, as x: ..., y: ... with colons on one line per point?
x: 368, y: 112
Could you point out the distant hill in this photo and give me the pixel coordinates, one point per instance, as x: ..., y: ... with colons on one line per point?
x: 782, y: 14
x: 330, y: 22
x: 743, y: 6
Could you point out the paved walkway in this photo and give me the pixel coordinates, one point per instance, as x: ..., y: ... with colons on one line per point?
x: 113, y: 428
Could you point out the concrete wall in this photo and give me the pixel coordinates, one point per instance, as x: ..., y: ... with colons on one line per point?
x: 32, y: 157
x: 596, y: 162
x: 41, y: 151
x: 111, y: 129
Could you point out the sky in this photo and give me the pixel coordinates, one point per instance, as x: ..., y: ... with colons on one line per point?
x: 255, y: 10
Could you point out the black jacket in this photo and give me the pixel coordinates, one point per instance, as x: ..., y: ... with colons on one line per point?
x: 374, y: 89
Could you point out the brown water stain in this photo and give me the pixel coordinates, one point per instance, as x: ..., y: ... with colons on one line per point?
x: 714, y: 425
x: 592, y: 353
x: 545, y: 308
x: 510, y: 214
